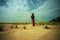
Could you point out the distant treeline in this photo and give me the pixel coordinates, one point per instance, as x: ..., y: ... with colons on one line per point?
x: 15, y: 23
x: 57, y: 19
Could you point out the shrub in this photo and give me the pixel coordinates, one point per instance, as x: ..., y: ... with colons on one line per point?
x: 46, y: 27
x: 1, y: 28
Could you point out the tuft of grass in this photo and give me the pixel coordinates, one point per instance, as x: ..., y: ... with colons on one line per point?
x: 46, y: 27
x: 1, y: 28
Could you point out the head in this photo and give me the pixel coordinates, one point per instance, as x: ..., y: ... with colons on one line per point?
x: 32, y: 14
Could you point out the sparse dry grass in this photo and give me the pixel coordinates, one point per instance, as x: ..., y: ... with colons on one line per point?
x: 30, y: 33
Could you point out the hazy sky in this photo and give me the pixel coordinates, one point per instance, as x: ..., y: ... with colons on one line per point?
x: 21, y: 10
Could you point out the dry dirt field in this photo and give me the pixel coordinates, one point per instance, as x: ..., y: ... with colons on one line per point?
x: 39, y: 32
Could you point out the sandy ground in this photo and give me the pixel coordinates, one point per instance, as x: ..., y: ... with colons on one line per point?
x: 31, y: 33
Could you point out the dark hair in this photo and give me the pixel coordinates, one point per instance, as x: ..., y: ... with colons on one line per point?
x: 33, y: 14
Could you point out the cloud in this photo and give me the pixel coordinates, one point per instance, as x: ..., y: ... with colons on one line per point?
x: 3, y: 2
x: 27, y: 4
x: 34, y: 4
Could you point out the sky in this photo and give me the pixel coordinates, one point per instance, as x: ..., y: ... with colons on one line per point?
x: 19, y: 11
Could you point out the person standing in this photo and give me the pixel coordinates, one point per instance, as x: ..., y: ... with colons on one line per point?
x: 33, y: 19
